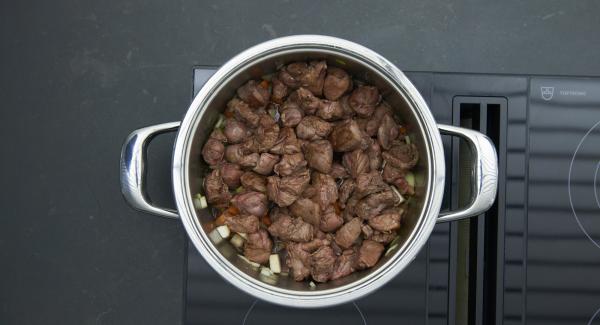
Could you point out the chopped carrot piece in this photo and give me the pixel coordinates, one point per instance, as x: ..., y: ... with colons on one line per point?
x: 233, y: 210
x: 266, y: 220
x: 402, y: 130
x: 220, y: 219
x: 228, y: 114
x: 264, y: 84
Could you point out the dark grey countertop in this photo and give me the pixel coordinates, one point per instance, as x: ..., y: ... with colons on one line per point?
x: 77, y: 77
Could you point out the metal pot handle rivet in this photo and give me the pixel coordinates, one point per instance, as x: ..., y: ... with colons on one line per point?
x: 133, y: 168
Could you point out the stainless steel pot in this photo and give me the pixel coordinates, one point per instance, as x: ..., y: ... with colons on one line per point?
x: 188, y: 168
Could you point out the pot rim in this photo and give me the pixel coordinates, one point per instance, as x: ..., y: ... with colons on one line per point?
x: 351, y: 291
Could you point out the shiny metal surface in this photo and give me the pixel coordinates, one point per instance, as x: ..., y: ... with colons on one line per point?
x: 133, y: 168
x: 362, y: 63
x: 484, y: 173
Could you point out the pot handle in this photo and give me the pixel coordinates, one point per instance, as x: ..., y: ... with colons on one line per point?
x: 485, y: 173
x: 133, y: 168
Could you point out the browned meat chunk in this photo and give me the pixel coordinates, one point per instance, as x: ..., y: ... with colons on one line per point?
x: 402, y: 155
x: 319, y: 155
x: 291, y: 75
x: 253, y: 182
x: 314, y: 78
x: 346, y: 190
x: 217, y: 192
x: 265, y: 163
x: 285, y: 190
x: 374, y: 121
x: 249, y: 161
x: 363, y: 100
x: 387, y: 132
x: 369, y: 183
x: 253, y: 94
x: 337, y: 83
x: 218, y: 135
x: 356, y: 162
x: 306, y: 209
x: 388, y: 220
x: 314, y: 244
x: 374, y: 204
x: 251, y: 202
x: 291, y: 114
x: 213, y: 151
x: 231, y: 174
x: 289, y: 164
x: 234, y: 153
x: 344, y: 265
x: 384, y: 237
x: 298, y: 260
x: 346, y: 136
x: 348, y: 234
x: 330, y: 220
x: 277, y: 212
x: 330, y: 110
x: 374, y: 153
x: 243, y: 113
x: 287, y: 143
x: 349, y: 212
x: 236, y: 131
x: 243, y: 223
x: 369, y: 253
x: 338, y: 171
x: 280, y: 90
x: 287, y: 228
x: 258, y: 246
x: 322, y: 263
x: 313, y: 128
x: 305, y: 100
x: 367, y: 231
x: 267, y: 133
x: 326, y: 192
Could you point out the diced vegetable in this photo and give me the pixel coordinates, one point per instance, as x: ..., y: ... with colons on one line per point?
x: 266, y: 220
x: 274, y: 264
x: 253, y: 264
x: 340, y: 61
x: 220, y: 220
x: 239, y: 189
x: 264, y: 84
x: 200, y: 202
x: 410, y: 179
x: 312, y: 285
x: 224, y: 231
x: 237, y: 241
x: 266, y: 271
x: 221, y: 122
x: 215, y: 237
x: 243, y: 235
x: 400, y: 197
x: 407, y: 139
x: 390, y: 249
x: 267, y: 77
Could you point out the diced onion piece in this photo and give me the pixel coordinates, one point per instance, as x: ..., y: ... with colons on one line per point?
x: 253, y: 264
x: 200, y: 202
x: 284, y: 274
x: 407, y: 139
x: 237, y: 241
x: 266, y: 271
x: 390, y: 249
x: 243, y: 235
x: 220, y: 122
x: 215, y: 237
x: 274, y: 264
x: 224, y: 231
x: 400, y: 197
x: 410, y: 179
x: 312, y: 285
x: 395, y: 241
x: 340, y: 61
x: 239, y: 189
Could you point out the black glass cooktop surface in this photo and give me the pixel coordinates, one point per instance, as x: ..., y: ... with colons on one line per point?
x: 533, y: 258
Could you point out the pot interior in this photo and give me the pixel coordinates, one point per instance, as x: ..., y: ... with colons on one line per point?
x: 364, y: 71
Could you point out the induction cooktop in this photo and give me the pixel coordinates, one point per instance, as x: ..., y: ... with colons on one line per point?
x: 533, y: 258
